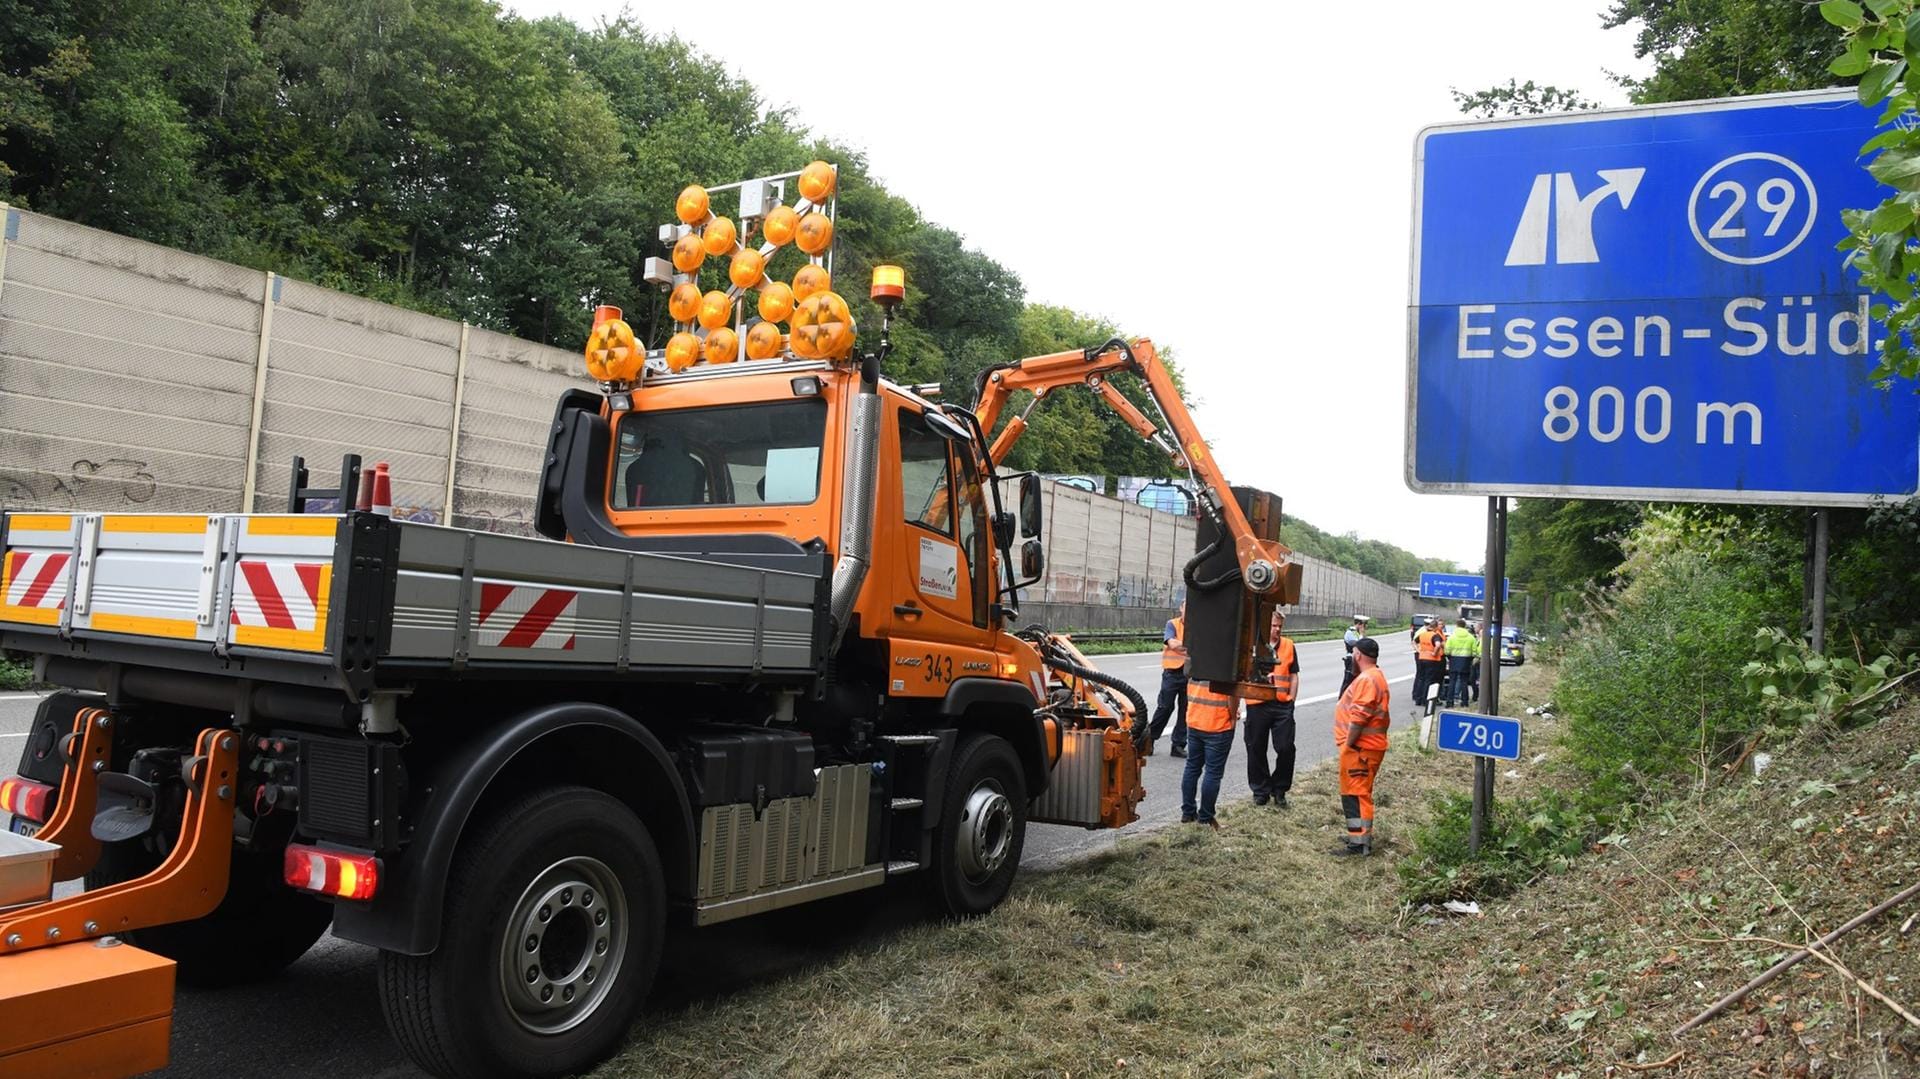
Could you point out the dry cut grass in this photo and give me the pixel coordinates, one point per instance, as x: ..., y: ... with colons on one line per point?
x: 1253, y: 952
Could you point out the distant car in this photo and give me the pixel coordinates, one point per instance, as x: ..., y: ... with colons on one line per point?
x: 1513, y: 647
x: 1419, y: 622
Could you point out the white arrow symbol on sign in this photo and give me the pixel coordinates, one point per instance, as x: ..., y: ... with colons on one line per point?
x: 1572, y: 216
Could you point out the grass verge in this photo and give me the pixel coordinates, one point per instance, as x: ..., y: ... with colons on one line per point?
x: 1253, y: 952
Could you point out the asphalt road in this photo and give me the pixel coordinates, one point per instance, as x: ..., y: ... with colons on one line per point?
x: 322, y: 1017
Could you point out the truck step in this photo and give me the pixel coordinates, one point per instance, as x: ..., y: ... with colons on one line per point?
x: 910, y: 739
x: 895, y: 868
x: 905, y: 803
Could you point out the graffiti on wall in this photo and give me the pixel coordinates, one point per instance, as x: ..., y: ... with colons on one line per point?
x: 84, y: 484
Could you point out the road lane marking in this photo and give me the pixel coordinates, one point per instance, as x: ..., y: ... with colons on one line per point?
x: 21, y: 696
x: 1333, y: 696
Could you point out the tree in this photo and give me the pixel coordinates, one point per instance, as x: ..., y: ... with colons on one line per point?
x: 1724, y: 48
x: 1519, y: 99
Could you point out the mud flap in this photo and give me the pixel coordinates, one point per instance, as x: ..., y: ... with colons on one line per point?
x: 94, y: 1008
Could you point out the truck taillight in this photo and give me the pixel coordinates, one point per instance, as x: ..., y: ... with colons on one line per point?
x: 25, y: 798
x: 330, y: 872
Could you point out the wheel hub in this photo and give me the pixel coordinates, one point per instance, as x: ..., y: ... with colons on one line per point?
x: 563, y: 945
x: 985, y: 835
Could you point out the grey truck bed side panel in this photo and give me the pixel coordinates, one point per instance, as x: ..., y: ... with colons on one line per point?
x: 540, y: 600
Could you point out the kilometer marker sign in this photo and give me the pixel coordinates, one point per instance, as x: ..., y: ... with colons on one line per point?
x: 1647, y: 303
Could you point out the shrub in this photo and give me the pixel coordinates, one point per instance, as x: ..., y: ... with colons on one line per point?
x: 1651, y: 685
x: 1526, y: 837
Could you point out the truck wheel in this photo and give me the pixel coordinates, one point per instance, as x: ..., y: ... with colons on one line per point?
x: 983, y: 826
x: 555, y: 910
x: 260, y: 927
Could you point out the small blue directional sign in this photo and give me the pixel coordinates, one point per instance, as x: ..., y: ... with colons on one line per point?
x: 1478, y: 735
x: 1647, y: 303
x: 1459, y: 586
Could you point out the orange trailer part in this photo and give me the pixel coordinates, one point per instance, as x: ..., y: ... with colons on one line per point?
x: 93, y: 1009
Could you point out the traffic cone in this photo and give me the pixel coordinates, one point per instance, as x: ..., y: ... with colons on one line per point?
x: 382, y: 490
x: 363, y: 499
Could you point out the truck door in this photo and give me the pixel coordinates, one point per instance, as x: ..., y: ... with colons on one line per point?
x: 944, y: 584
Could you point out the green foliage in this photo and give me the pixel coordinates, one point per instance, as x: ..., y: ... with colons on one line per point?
x: 1651, y: 685
x: 14, y: 675
x: 1561, y: 545
x: 1796, y: 686
x: 1725, y: 48
x: 1526, y: 838
x: 1520, y: 99
x: 1880, y: 40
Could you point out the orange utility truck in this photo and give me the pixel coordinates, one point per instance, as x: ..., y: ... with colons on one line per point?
x: 766, y: 652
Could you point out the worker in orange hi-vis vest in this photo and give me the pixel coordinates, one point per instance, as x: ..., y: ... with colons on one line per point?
x: 1273, y: 720
x: 1173, y: 686
x: 1429, y: 660
x: 1210, y: 718
x: 1360, y: 724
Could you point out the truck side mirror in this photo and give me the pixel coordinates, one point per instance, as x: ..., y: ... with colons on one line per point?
x: 1033, y: 561
x: 1030, y: 514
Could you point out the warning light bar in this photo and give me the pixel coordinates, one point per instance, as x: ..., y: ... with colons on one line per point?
x: 330, y: 872
x: 889, y: 285
x: 25, y: 798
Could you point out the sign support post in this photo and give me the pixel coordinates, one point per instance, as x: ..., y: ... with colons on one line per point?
x: 1819, y: 585
x: 1490, y: 627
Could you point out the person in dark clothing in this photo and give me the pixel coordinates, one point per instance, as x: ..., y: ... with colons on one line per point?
x: 1273, y: 720
x: 1172, y: 704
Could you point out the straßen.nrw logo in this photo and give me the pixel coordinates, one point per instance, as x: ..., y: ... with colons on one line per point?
x: 1571, y: 224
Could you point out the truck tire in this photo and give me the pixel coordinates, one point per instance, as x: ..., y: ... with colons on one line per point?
x: 983, y: 828
x: 551, y: 934
x: 260, y: 927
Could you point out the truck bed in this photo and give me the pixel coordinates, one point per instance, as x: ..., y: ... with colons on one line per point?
x: 358, y: 601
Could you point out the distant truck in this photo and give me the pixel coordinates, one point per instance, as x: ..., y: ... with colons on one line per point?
x: 774, y: 661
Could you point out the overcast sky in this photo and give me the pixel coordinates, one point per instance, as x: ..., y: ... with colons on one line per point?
x: 1174, y: 133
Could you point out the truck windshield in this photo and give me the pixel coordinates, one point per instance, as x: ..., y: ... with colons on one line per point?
x: 765, y: 454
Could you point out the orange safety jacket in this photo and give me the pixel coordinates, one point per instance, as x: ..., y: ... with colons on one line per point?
x: 1432, y: 645
x: 1173, y: 655
x: 1209, y: 712
x: 1285, y: 682
x: 1363, y: 709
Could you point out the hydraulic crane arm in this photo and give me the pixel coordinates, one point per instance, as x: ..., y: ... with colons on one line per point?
x: 1262, y: 562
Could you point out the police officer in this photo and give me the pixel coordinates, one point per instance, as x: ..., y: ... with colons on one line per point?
x: 1273, y: 720
x: 1354, y: 633
x: 1461, y: 648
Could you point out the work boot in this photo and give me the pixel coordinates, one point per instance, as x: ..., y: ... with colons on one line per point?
x: 1280, y: 801
x: 1259, y: 799
x: 1177, y: 751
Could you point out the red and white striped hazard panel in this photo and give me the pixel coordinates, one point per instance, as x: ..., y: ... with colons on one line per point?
x: 527, y: 616
x: 37, y: 579
x: 277, y: 595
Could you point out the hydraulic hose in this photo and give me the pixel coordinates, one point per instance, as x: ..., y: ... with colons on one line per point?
x: 1141, y: 736
x: 1211, y: 584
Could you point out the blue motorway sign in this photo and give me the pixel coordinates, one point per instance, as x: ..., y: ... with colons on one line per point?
x: 1478, y: 735
x: 1647, y: 303
x: 1459, y: 586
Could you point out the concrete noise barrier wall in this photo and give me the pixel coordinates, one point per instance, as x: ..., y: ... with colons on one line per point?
x: 136, y: 377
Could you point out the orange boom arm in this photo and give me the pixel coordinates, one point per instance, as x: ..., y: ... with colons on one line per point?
x: 1263, y: 562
